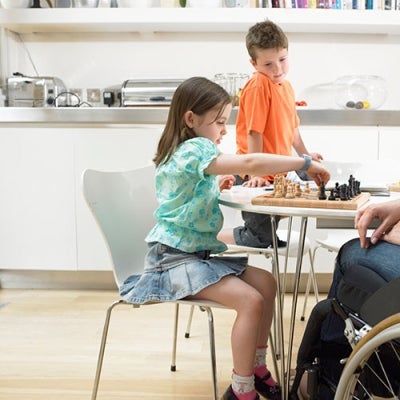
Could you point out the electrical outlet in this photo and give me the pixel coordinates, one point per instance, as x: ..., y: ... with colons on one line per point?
x: 77, y: 92
x: 93, y: 95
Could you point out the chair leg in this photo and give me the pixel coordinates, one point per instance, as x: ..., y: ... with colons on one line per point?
x: 103, y: 347
x: 189, y: 323
x: 212, y: 351
x: 175, y: 338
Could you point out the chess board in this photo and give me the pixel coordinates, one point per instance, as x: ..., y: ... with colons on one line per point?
x: 395, y: 187
x: 312, y: 201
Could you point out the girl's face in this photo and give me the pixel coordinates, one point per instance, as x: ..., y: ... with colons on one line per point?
x: 207, y: 125
x: 272, y: 62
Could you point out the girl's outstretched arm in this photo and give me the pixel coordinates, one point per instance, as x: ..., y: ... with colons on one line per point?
x: 265, y: 164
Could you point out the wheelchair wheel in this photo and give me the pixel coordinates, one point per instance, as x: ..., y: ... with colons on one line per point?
x: 372, y: 370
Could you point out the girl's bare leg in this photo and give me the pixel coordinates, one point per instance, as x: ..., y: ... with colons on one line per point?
x: 252, y: 297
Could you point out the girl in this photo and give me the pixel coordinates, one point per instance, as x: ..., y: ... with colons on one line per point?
x: 179, y: 262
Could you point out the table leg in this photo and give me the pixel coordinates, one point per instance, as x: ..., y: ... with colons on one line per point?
x: 303, y: 229
x: 289, y: 231
x: 279, y: 311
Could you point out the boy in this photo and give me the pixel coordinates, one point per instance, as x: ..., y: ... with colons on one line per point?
x: 267, y: 122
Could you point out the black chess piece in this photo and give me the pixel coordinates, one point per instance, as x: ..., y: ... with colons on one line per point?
x: 337, y: 190
x: 322, y: 193
x: 352, y: 188
x: 343, y: 192
x: 357, y: 187
x: 332, y: 195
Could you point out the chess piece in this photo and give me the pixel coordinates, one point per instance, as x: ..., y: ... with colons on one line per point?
x: 298, y: 191
x: 322, y: 193
x: 343, y: 192
x: 332, y: 195
x: 278, y: 191
x: 290, y: 194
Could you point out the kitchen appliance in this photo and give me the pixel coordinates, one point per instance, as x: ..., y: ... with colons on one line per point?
x: 85, y: 3
x: 148, y: 92
x: 39, y: 91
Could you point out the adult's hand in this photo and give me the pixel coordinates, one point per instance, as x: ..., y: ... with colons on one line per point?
x: 393, y: 236
x: 388, y: 214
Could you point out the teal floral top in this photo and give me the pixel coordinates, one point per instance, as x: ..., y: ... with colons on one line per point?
x: 188, y: 216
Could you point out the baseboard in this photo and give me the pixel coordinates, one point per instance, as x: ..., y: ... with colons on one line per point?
x: 43, y: 279
x: 98, y: 280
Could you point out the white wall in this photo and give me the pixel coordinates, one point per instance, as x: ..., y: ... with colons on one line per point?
x: 102, y: 60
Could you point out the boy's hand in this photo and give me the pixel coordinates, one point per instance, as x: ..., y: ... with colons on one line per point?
x: 226, y: 182
x: 256, y: 181
x: 316, y: 157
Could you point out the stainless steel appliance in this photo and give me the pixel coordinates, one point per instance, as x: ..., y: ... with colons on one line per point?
x: 148, y: 92
x: 26, y: 91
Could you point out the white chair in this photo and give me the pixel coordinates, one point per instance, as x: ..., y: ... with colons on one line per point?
x: 123, y: 204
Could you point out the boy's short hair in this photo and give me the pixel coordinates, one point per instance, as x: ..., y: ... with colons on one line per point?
x: 265, y: 35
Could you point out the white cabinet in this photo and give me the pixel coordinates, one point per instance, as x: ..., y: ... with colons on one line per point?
x: 389, y: 144
x: 44, y: 221
x: 37, y: 213
x: 342, y: 143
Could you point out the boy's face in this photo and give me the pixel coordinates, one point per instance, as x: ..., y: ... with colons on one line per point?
x: 272, y: 62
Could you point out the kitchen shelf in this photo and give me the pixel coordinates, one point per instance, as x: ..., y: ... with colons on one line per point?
x: 160, y: 20
x: 91, y: 117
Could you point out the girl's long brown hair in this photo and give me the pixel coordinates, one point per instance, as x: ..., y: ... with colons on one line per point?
x: 198, y: 95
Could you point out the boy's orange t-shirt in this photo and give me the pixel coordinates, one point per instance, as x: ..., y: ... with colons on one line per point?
x: 268, y: 108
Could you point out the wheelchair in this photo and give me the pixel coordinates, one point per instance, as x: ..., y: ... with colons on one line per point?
x: 365, y: 362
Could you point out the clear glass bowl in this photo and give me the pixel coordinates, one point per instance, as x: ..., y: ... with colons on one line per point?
x: 360, y: 91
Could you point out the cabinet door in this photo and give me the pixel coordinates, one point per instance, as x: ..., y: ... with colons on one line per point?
x: 37, y: 216
x: 389, y: 143
x: 108, y: 149
x: 342, y: 143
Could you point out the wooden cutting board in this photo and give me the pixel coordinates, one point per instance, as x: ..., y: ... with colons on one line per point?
x: 395, y: 187
x: 353, y: 204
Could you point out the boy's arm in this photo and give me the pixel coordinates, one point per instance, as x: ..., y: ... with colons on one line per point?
x: 254, y: 142
x: 255, y: 145
x: 300, y: 147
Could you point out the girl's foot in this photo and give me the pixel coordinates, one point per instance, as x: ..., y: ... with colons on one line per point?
x: 229, y: 395
x: 269, y: 392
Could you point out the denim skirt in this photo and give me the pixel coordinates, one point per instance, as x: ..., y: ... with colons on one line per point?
x: 171, y: 274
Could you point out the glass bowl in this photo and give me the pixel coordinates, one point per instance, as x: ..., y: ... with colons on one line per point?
x: 360, y: 91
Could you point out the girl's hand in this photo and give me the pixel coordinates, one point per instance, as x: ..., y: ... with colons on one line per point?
x: 226, y: 182
x: 318, y: 172
x: 256, y: 181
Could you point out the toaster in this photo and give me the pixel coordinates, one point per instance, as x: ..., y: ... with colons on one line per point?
x: 26, y: 91
x: 148, y: 92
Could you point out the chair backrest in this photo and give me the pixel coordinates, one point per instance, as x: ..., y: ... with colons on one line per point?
x: 123, y: 204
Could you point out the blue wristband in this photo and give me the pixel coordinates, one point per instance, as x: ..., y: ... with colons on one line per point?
x: 307, y: 162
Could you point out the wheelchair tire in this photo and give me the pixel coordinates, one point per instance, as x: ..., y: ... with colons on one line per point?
x: 372, y: 370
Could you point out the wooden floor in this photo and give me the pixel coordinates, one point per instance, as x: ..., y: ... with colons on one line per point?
x: 49, y: 342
